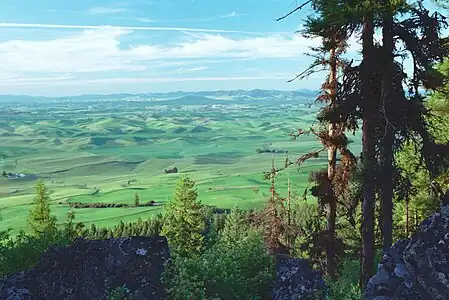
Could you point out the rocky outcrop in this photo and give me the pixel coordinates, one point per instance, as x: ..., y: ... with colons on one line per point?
x: 416, y: 268
x: 89, y: 269
x: 295, y: 279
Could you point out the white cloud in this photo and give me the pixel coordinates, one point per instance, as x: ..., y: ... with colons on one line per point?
x: 33, y: 80
x: 141, y: 28
x: 219, y: 46
x: 91, y: 51
x: 84, y: 85
x: 92, y: 56
x: 129, y: 80
x: 189, y: 62
x: 195, y: 69
x: 232, y: 15
x: 145, y: 20
x: 99, y: 51
x: 105, y: 10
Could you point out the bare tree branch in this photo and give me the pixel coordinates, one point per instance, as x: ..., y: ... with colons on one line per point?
x: 293, y: 11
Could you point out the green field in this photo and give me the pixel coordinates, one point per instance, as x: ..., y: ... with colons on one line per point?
x: 121, y: 148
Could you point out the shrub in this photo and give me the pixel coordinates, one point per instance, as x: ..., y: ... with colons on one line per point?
x: 24, y: 251
x: 346, y: 287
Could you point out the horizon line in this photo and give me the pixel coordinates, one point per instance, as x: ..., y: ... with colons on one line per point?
x: 149, y: 93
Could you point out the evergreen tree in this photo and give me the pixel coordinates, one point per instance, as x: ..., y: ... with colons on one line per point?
x: 136, y: 199
x: 442, y: 3
x: 330, y: 184
x: 72, y: 230
x: 439, y: 99
x: 374, y: 93
x: 184, y: 221
x: 235, y: 228
x: 93, y: 230
x: 40, y: 218
x: 421, y: 203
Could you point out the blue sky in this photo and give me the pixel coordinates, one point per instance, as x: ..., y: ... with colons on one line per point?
x: 60, y: 47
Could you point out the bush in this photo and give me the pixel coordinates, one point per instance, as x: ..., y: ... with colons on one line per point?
x: 346, y: 287
x: 24, y: 251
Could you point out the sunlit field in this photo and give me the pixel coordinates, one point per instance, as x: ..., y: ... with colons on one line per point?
x: 108, y: 152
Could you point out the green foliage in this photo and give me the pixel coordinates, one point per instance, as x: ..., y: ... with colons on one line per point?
x: 119, y: 293
x: 309, y: 224
x: 236, y: 267
x: 214, y: 225
x: 346, y: 287
x: 72, y: 230
x: 235, y: 229
x: 24, y: 251
x: 149, y: 227
x: 184, y: 220
x: 421, y: 200
x: 40, y: 218
x: 442, y: 3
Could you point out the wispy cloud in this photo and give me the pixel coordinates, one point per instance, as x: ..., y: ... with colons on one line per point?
x: 195, y: 69
x: 137, y: 28
x: 100, y: 50
x: 33, y: 80
x: 180, y: 62
x: 145, y: 20
x: 182, y: 79
x: 193, y: 20
x: 105, y: 10
x: 81, y: 85
x: 232, y: 15
x: 98, y: 55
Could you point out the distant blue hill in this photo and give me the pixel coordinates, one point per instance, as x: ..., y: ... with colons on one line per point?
x: 181, y: 98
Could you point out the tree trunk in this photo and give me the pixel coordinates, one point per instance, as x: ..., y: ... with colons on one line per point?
x: 331, y: 204
x: 407, y: 217
x: 369, y: 99
x: 386, y: 152
x: 416, y: 219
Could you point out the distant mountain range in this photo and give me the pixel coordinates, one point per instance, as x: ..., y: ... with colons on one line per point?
x: 181, y: 98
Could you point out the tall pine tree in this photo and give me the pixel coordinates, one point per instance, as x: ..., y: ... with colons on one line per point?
x: 40, y: 219
x: 330, y: 184
x: 184, y: 221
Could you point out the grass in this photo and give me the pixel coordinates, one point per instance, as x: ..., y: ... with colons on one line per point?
x: 121, y: 153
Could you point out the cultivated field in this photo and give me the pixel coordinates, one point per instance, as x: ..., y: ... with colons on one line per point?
x: 106, y: 151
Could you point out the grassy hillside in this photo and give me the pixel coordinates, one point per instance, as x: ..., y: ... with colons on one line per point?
x: 106, y: 152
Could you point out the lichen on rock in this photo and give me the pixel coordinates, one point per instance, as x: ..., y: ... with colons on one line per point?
x: 416, y: 268
x: 86, y: 269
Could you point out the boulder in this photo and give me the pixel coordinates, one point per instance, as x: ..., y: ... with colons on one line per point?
x: 90, y: 269
x: 295, y: 279
x: 416, y: 268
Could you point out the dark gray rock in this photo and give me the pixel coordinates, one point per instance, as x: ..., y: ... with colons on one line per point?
x: 295, y: 279
x: 89, y: 269
x: 416, y: 268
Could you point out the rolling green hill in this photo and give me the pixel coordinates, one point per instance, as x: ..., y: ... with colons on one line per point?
x: 91, y: 152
